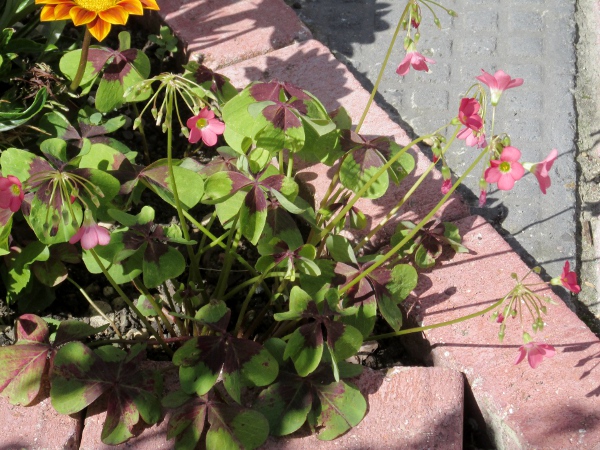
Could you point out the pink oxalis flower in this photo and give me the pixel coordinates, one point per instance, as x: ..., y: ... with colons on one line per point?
x: 446, y: 186
x: 535, y: 352
x: 90, y: 233
x: 568, y: 279
x: 541, y: 169
x: 468, y: 114
x: 204, y: 126
x: 11, y: 197
x: 416, y: 60
x: 482, y: 198
x: 506, y: 170
x: 498, y: 83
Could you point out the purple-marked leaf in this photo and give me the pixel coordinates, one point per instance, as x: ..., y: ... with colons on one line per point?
x: 80, y: 376
x: 253, y: 214
x: 229, y: 426
x: 341, y: 407
x: 202, y: 358
x: 74, y: 330
x: 25, y: 363
x: 282, y: 115
x: 272, y: 91
x: 190, y: 185
x: 99, y: 57
x: 53, y: 271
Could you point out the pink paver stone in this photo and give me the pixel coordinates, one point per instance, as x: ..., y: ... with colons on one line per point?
x: 409, y: 408
x: 555, y: 406
x: 311, y: 66
x: 224, y: 32
x: 36, y: 427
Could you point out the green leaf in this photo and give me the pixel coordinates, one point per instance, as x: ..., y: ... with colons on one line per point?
x: 170, y: 264
x: 404, y: 280
x: 285, y: 405
x: 360, y: 167
x: 306, y: 358
x: 340, y: 249
x: 342, y: 407
x: 390, y: 312
x: 423, y: 258
x: 69, y: 64
x: 16, y: 116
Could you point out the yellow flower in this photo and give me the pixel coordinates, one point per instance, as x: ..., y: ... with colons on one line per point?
x: 98, y: 15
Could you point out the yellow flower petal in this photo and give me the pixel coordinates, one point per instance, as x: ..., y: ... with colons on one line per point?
x: 99, y: 29
x: 81, y: 16
x: 47, y: 13
x: 115, y: 15
x: 132, y: 7
x: 150, y: 4
x: 62, y: 11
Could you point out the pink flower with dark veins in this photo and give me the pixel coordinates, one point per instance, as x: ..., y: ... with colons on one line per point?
x: 535, y: 352
x: 204, y: 126
x: 416, y: 60
x: 541, y: 169
x: 506, y: 170
x: 11, y: 197
x: 498, y: 83
x: 90, y: 233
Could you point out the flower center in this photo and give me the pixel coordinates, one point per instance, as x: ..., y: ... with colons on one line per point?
x: 202, y: 123
x: 15, y: 190
x: 504, y: 167
x: 96, y: 5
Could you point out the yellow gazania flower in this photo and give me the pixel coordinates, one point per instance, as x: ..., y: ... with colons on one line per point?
x: 98, y: 15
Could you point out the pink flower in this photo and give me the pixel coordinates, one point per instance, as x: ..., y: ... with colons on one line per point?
x: 446, y: 186
x: 498, y: 83
x: 472, y: 138
x: 468, y: 114
x: 416, y: 60
x: 482, y: 198
x: 90, y: 233
x: 536, y: 352
x: 569, y: 279
x: 11, y: 197
x: 506, y: 170
x: 541, y: 169
x: 204, y: 126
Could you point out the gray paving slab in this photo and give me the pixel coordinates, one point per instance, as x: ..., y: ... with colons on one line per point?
x: 530, y: 39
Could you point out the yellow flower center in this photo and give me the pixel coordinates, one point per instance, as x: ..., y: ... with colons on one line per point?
x: 504, y: 167
x: 96, y: 5
x: 16, y: 190
x: 202, y: 123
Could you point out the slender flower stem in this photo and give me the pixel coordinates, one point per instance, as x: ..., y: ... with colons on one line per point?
x: 129, y: 302
x: 399, y: 205
x: 93, y: 305
x: 85, y: 48
x: 143, y: 134
x: 382, y: 70
x: 232, y: 243
x: 438, y: 325
x: 415, y: 230
x: 144, y: 291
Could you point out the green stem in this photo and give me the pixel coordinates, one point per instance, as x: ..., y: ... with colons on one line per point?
x: 399, y: 205
x: 383, y: 66
x: 93, y: 305
x: 140, y: 287
x: 439, y: 325
x: 415, y: 230
x: 129, y: 302
x: 232, y: 243
x: 143, y: 134
x: 85, y: 48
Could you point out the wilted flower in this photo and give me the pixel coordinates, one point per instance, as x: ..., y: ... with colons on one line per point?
x: 98, y: 15
x: 506, y: 170
x: 204, y: 126
x: 90, y: 233
x: 498, y: 83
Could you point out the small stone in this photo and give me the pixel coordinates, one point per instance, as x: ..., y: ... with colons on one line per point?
x: 108, y: 291
x: 118, y: 303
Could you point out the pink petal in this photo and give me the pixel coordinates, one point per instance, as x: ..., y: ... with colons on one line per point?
x: 516, y: 171
x: 89, y: 239
x: 192, y: 121
x: 506, y: 182
x: 103, y: 235
x: 534, y: 357
x: 404, y: 65
x: 205, y: 113
x: 216, y: 126
x: 510, y: 154
x: 208, y: 137
x: 195, y: 134
x: 464, y: 133
x: 487, y: 79
x: 77, y: 237
x: 492, y: 174
x: 521, y: 355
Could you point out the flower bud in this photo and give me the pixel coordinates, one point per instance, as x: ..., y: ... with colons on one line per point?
x: 452, y: 13
x: 446, y: 174
x: 501, y: 332
x: 437, y: 23
x: 407, y: 42
x: 137, y: 123
x: 506, y: 141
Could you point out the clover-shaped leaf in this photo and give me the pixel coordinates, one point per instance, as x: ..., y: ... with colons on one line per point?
x: 229, y: 426
x: 80, y: 376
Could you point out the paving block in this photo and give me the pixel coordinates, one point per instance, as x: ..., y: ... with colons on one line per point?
x: 36, y: 427
x: 223, y: 32
x: 311, y: 66
x: 555, y: 406
x: 409, y: 408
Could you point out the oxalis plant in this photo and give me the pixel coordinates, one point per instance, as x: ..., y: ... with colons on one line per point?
x: 261, y: 339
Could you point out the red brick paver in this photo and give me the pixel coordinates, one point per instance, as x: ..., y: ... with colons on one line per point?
x: 224, y: 32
